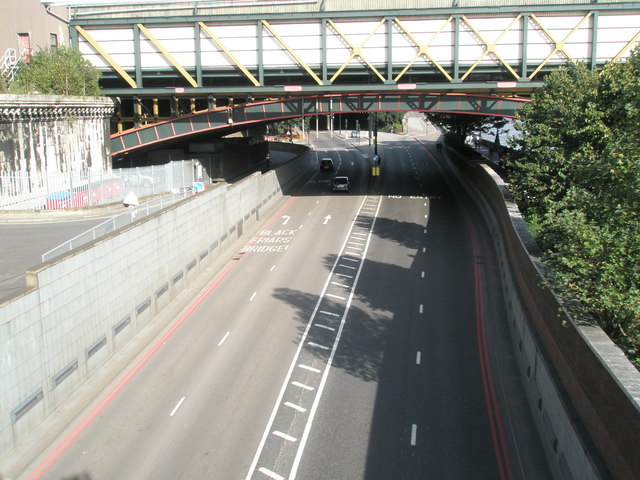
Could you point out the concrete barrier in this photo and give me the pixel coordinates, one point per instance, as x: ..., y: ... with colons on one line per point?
x: 83, y: 307
x: 584, y: 392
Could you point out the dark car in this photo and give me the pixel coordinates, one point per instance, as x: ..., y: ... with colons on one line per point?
x: 341, y: 184
x: 326, y: 164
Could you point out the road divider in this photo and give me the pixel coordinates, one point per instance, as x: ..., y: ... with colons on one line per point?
x: 317, y: 347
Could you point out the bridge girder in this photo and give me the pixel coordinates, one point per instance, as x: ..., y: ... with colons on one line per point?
x: 504, y: 50
x: 228, y: 119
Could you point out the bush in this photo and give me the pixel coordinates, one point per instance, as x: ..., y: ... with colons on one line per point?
x: 62, y: 71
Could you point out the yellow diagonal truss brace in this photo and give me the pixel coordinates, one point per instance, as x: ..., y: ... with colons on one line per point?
x: 107, y: 58
x: 626, y: 47
x: 167, y: 55
x: 559, y: 46
x: 291, y: 52
x: 356, y: 51
x: 490, y: 48
x: 228, y: 53
x: 423, y: 49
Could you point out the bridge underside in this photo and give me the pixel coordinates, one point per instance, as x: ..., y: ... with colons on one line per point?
x: 163, y: 60
x: 223, y: 121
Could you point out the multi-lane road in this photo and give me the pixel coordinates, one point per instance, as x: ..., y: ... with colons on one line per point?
x: 359, y: 335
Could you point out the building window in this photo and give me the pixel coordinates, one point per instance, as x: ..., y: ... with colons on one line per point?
x: 53, y: 41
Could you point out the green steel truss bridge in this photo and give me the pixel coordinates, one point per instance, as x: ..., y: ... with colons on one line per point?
x: 167, y: 60
x: 228, y: 119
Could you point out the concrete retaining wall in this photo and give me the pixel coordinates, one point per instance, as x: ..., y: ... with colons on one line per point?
x: 584, y: 392
x: 54, y: 133
x: 83, y: 307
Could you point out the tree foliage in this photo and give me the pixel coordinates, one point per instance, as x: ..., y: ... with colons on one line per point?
x: 576, y: 176
x: 389, y: 121
x: 460, y: 126
x: 61, y: 71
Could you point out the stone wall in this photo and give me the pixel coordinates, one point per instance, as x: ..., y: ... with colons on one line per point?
x: 47, y: 133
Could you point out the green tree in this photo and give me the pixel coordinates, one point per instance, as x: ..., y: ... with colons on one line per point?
x: 576, y: 176
x: 61, y: 71
x: 562, y: 122
x: 460, y: 126
x: 389, y: 121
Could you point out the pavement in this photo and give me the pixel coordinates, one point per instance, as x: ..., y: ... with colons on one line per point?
x: 25, y: 235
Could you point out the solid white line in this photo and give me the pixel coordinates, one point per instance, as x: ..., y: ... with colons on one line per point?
x: 414, y: 431
x: 421, y: 308
x: 418, y: 357
x: 175, y: 409
x: 253, y: 296
x: 319, y: 325
x: 296, y: 356
x: 289, y: 438
x: 334, y: 296
x: 329, y: 313
x: 340, y: 285
x: 270, y: 474
x: 347, y: 266
x: 311, y: 369
x: 359, y: 233
x: 272, y: 268
x: 302, y: 385
x: 295, y: 407
x: 314, y: 344
x: 325, y: 375
x: 343, y: 275
x: 355, y: 248
x: 224, y: 338
x: 356, y: 243
x: 351, y: 259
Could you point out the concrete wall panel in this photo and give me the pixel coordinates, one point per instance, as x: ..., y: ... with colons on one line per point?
x: 584, y: 393
x: 87, y: 304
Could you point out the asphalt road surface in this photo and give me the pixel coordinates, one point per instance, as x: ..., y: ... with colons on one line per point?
x: 359, y: 335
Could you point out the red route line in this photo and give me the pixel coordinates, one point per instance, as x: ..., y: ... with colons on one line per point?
x: 495, y: 422
x: 499, y: 444
x: 106, y: 400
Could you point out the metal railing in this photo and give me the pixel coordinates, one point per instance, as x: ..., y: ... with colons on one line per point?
x: 118, y: 221
x: 9, y: 64
x: 75, y: 189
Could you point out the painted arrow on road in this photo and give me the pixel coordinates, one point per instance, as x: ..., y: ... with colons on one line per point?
x: 326, y: 219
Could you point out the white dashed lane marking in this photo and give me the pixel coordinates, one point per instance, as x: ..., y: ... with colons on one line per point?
x: 302, y: 388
